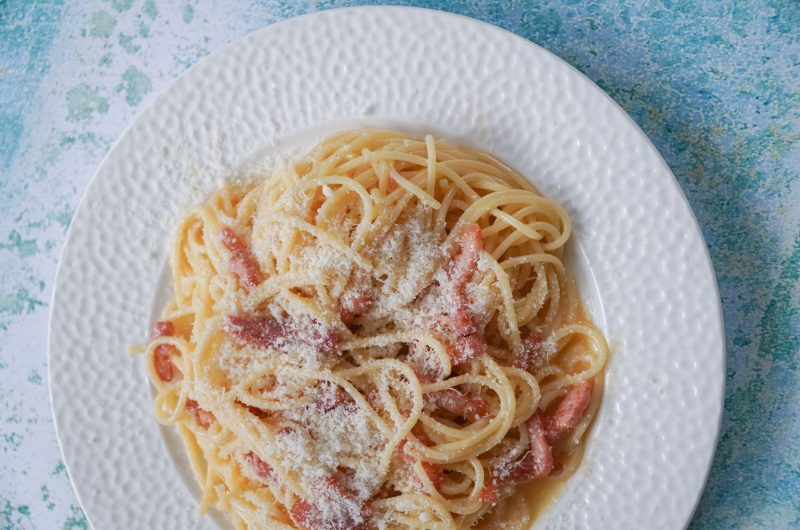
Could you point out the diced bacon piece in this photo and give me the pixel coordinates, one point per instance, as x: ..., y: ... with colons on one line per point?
x: 536, y: 464
x: 465, y: 343
x: 333, y: 396
x: 163, y: 328
x: 162, y: 362
x: 419, y: 432
x: 202, y: 417
x: 354, y: 303
x: 259, y: 467
x: 424, y: 375
x: 460, y: 404
x: 464, y: 265
x: 531, y: 353
x: 460, y: 320
x: 466, y: 349
x: 435, y: 475
x: 265, y: 331
x: 258, y: 331
x: 458, y: 324
x: 519, y: 472
x: 306, y: 516
x: 315, y: 334
x: 392, y: 184
x: 542, y: 432
x: 259, y: 413
x: 490, y: 493
x: 569, y: 411
x: 332, y: 488
x: 344, y: 511
x: 541, y: 454
x: 510, y: 475
x: 162, y: 353
x: 241, y: 259
x: 419, y: 361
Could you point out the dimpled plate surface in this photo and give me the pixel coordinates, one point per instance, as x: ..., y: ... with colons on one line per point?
x: 641, y: 253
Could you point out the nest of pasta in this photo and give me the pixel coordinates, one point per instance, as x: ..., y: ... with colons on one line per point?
x: 380, y: 335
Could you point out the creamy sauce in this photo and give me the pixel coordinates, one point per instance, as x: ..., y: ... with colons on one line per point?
x: 520, y: 510
x: 529, y: 502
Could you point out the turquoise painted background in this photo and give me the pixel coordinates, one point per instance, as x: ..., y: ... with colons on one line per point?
x: 715, y: 85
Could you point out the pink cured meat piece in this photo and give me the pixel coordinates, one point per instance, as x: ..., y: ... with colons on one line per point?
x: 162, y: 353
x: 163, y: 328
x: 308, y: 516
x: 202, y: 417
x: 536, y: 464
x: 541, y: 453
x: 458, y: 403
x: 354, y: 304
x: 241, y: 259
x: 332, y: 397
x: 265, y: 331
x: 464, y: 265
x: 542, y: 433
x: 530, y: 354
x: 569, y: 411
x: 259, y: 467
x: 466, y: 343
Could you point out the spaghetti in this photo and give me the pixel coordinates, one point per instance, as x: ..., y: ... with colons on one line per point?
x: 381, y: 335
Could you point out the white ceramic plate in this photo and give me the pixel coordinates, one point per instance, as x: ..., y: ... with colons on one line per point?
x: 640, y: 258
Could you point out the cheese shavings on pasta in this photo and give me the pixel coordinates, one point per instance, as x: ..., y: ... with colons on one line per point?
x: 382, y: 335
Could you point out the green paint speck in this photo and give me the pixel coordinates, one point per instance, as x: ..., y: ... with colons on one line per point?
x: 82, y: 101
x: 24, y: 247
x: 135, y: 84
x: 102, y: 24
x: 127, y: 44
x: 35, y: 378
x: 10, y: 514
x: 76, y: 520
x: 58, y: 469
x: 188, y: 13
x: 144, y: 29
x: 105, y: 60
x: 13, y: 441
x: 150, y: 9
x: 46, y: 498
x: 121, y: 5
x: 18, y: 302
x: 64, y: 218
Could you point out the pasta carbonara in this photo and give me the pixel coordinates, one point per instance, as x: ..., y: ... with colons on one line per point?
x: 380, y: 335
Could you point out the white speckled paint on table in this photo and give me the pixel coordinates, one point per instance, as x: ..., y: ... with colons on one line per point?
x: 715, y: 86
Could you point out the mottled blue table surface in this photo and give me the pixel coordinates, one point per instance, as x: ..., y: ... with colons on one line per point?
x: 715, y: 85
